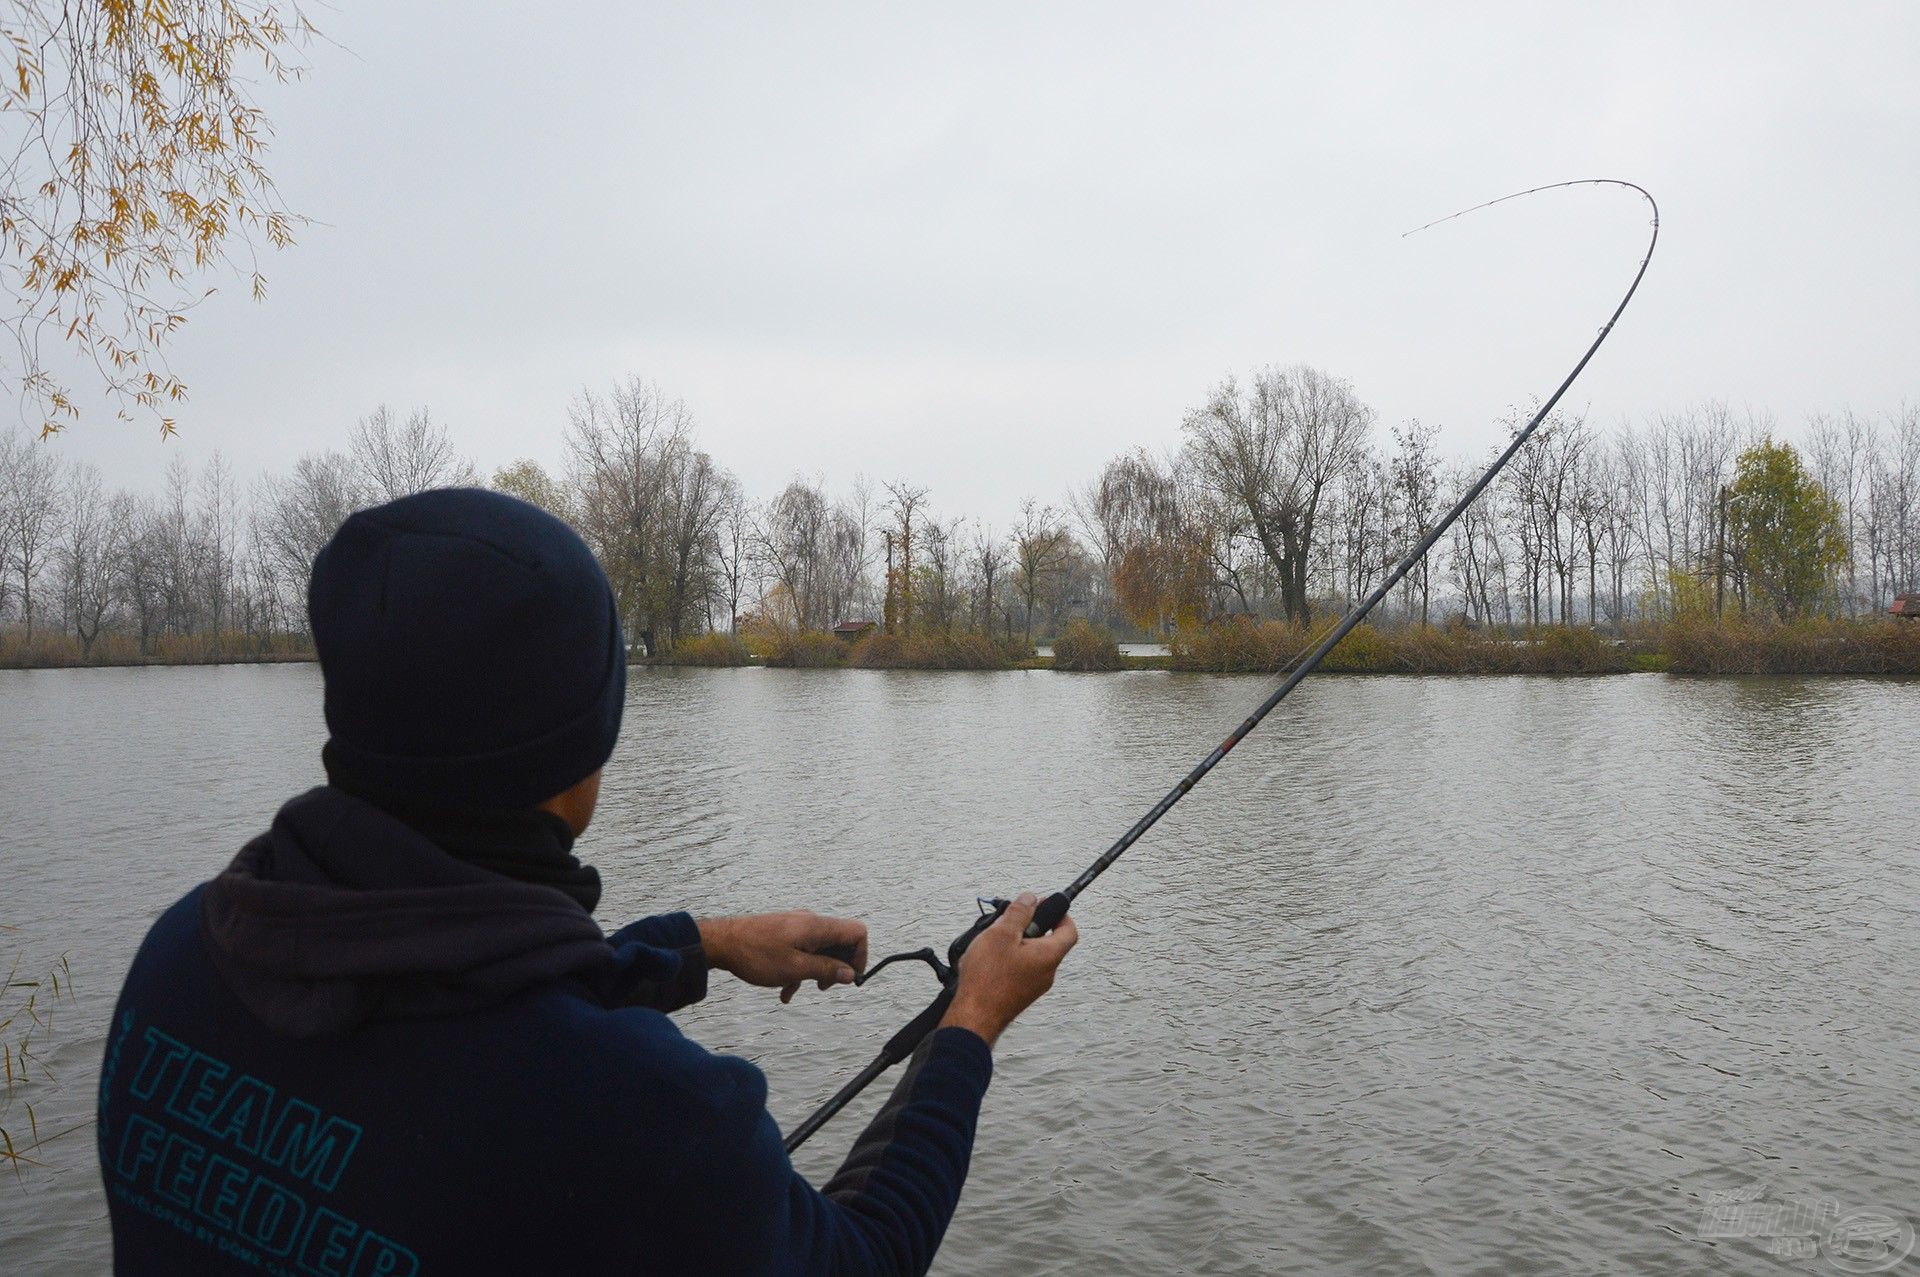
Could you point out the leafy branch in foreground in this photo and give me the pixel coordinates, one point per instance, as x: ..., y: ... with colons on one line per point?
x: 134, y: 160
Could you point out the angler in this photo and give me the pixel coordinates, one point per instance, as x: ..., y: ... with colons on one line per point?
x: 390, y: 1038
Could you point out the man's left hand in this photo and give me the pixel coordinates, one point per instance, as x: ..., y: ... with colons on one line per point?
x: 782, y: 950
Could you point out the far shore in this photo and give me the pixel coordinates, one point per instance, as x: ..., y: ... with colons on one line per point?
x: 1878, y: 648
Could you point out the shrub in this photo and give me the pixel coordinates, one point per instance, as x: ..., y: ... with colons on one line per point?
x: 1013, y: 650
x: 1364, y: 651
x: 1237, y: 645
x: 1242, y: 645
x: 879, y: 651
x: 806, y: 649
x: 1745, y: 646
x: 1565, y: 649
x: 1085, y: 647
x: 713, y: 649
x: 52, y: 650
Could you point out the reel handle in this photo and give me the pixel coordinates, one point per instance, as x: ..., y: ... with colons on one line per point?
x: 841, y: 952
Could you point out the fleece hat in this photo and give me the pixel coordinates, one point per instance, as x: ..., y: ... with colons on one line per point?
x: 471, y: 650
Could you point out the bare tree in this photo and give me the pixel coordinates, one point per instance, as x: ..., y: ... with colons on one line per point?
x: 1273, y: 451
x: 87, y: 555
x: 294, y: 515
x: 1416, y: 492
x: 1040, y: 547
x: 906, y: 500
x: 694, y: 510
x: 142, y: 576
x: 734, y: 550
x: 988, y: 568
x: 30, y: 503
x: 220, y: 531
x: 629, y: 452
x: 393, y: 459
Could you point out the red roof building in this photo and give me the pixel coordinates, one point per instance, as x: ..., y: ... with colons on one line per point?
x: 1907, y: 605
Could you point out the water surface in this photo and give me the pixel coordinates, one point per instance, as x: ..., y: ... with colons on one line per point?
x: 1446, y: 974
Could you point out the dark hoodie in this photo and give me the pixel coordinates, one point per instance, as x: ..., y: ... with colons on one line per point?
x: 355, y: 1053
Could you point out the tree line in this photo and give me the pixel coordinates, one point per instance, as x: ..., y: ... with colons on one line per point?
x: 1281, y: 500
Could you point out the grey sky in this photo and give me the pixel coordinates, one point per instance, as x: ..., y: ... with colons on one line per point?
x: 987, y: 248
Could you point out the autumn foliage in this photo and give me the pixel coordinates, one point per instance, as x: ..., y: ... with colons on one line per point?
x: 137, y: 164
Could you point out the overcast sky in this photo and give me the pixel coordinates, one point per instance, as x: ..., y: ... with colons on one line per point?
x: 988, y: 247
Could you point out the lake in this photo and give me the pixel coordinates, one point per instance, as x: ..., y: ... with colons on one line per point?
x: 1452, y: 974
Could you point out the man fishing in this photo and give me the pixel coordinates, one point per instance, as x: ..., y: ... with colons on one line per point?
x: 390, y: 1038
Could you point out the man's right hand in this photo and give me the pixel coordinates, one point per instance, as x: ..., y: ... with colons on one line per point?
x: 1002, y: 973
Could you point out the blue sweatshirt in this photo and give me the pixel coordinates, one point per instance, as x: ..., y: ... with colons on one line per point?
x: 355, y: 1054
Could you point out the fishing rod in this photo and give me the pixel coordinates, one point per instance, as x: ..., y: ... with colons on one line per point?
x: 1055, y: 906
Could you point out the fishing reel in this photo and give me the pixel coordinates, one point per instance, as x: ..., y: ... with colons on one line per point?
x: 948, y: 970
x: 1045, y: 919
x: 898, y: 1047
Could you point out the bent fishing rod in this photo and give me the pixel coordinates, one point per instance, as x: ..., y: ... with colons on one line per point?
x: 1055, y: 906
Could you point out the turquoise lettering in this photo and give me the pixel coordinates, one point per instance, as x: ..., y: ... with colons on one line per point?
x: 179, y: 1163
x: 326, y: 1244
x: 140, y: 1145
x: 271, y: 1216
x: 313, y: 1149
x: 220, y: 1192
x: 162, y: 1051
x: 198, y: 1081
x: 241, y: 1116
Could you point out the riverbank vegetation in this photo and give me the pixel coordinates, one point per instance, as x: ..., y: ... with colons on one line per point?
x: 812, y: 649
x: 1810, y: 646
x: 1272, y: 646
x: 63, y: 651
x: 1703, y: 538
x: 1086, y: 648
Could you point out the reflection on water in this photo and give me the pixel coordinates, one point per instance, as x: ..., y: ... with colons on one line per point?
x: 1457, y: 974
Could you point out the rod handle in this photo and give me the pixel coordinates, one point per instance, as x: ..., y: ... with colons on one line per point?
x: 1048, y: 915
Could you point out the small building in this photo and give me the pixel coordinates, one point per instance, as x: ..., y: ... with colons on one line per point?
x: 1907, y: 605
x: 853, y: 631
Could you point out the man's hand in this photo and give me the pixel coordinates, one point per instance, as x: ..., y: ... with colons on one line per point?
x: 1002, y: 973
x: 782, y: 950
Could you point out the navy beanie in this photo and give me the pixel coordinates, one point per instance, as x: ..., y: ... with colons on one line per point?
x: 471, y: 650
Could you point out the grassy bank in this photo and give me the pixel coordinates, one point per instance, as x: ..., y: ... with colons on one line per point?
x: 1731, y: 647
x: 1805, y: 647
x: 63, y: 651
x: 1243, y: 646
x: 1238, y: 646
x: 811, y: 649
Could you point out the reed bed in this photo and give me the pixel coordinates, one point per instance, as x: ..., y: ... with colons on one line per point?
x: 64, y: 651
x: 1086, y: 648
x: 935, y: 652
x: 1245, y: 646
x: 1802, y: 647
x: 803, y: 650
x: 714, y: 650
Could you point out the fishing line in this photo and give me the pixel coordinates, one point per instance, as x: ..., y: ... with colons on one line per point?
x: 1054, y: 907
